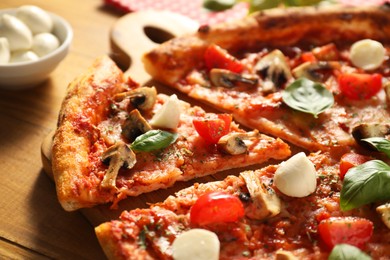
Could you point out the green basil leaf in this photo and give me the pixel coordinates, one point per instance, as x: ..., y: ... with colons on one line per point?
x: 153, y: 140
x: 346, y: 252
x: 218, y: 5
x: 308, y: 96
x: 380, y: 143
x: 366, y: 183
x: 257, y: 5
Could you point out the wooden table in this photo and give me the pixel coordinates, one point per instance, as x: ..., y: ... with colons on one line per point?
x: 32, y: 223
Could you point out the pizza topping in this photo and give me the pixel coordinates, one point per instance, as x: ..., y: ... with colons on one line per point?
x: 367, y: 54
x: 366, y: 183
x: 312, y: 70
x: 296, y: 177
x: 153, y: 140
x: 284, y: 255
x: 216, y: 57
x: 119, y: 155
x: 364, y: 131
x: 360, y: 86
x: 384, y: 211
x: 212, y: 127
x: 196, y: 244
x: 135, y: 125
x: 274, y: 69
x: 345, y: 230
x: 228, y: 79
x: 345, y: 252
x: 234, y: 143
x: 142, y: 98
x: 266, y: 203
x: 380, y: 144
x: 216, y: 207
x: 350, y: 160
x: 168, y: 116
x: 327, y: 52
x: 308, y: 96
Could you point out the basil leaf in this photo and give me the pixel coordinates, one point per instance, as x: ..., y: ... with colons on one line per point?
x: 346, y: 252
x: 380, y: 143
x: 257, y: 5
x: 308, y: 96
x: 366, y: 183
x: 153, y: 140
x: 218, y: 5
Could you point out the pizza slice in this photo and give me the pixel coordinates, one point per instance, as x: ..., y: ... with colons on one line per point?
x: 116, y: 139
x: 310, y: 76
x: 299, y: 209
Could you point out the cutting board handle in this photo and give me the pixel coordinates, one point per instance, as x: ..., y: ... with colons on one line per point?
x: 137, y: 33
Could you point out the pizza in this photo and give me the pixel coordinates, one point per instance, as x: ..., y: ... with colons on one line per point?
x: 116, y: 139
x: 315, y: 81
x: 310, y: 76
x: 256, y: 215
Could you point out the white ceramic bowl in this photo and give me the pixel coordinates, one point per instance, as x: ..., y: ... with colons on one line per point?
x: 28, y: 74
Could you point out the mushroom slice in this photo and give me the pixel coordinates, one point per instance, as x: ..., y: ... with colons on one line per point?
x: 118, y: 155
x: 384, y: 211
x: 310, y: 70
x: 265, y: 201
x: 363, y: 131
x: 284, y: 255
x: 386, y: 87
x: 274, y: 69
x: 227, y: 79
x: 234, y: 143
x: 142, y: 98
x: 135, y: 125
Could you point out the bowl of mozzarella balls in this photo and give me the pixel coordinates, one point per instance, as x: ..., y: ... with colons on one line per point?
x: 33, y: 42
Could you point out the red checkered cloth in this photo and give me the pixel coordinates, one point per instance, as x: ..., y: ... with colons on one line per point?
x: 193, y: 8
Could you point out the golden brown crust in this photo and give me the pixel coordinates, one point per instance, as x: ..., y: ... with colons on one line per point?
x: 279, y: 27
x: 71, y: 145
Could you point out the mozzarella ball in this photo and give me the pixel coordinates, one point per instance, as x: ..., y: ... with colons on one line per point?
x: 367, y: 54
x: 296, y: 177
x: 5, y: 53
x: 23, y: 56
x: 38, y: 20
x: 169, y: 114
x: 18, y: 35
x: 196, y: 244
x: 44, y: 43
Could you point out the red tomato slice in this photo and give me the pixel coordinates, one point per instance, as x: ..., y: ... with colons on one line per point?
x: 213, y: 126
x: 360, y: 86
x: 216, y: 57
x: 216, y: 207
x: 350, y: 160
x: 345, y: 230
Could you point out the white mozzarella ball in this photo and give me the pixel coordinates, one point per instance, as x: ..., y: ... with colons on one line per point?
x: 44, y: 43
x: 196, y: 244
x: 169, y: 114
x: 296, y: 177
x: 18, y: 34
x: 37, y: 19
x: 23, y: 56
x: 367, y: 54
x: 5, y: 53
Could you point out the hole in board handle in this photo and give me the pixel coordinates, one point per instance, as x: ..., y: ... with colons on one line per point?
x: 157, y: 35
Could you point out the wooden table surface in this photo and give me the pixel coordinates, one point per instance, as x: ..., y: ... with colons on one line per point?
x: 32, y: 223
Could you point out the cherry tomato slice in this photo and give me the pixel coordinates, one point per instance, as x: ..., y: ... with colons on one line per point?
x: 360, y: 86
x: 216, y: 57
x: 345, y: 230
x: 350, y: 160
x: 216, y: 207
x: 213, y: 126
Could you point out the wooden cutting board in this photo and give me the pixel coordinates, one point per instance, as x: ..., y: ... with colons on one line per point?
x: 131, y: 36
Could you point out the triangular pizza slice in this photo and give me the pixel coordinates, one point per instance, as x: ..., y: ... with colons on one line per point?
x: 311, y: 76
x: 117, y: 139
